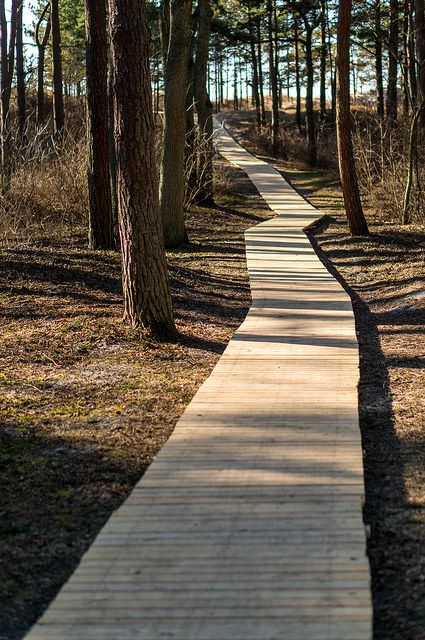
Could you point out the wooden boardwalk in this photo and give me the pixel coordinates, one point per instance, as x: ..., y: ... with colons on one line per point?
x: 248, y: 525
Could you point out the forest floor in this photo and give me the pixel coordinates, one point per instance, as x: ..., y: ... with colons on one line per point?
x: 385, y: 277
x: 85, y: 404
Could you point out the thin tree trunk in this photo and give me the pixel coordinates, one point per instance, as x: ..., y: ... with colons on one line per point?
x: 273, y: 82
x: 58, y: 110
x: 260, y: 73
x: 298, y: 117
x: 4, y: 155
x: 164, y: 28
x: 7, y: 65
x: 203, y: 103
x: 235, y: 85
x: 407, y: 213
x: 378, y: 62
x: 411, y: 61
x: 393, y: 62
x: 20, y: 73
x: 405, y: 63
x: 147, y: 299
x: 101, y: 224
x: 420, y: 50
x: 111, y: 142
x: 41, y: 48
x: 310, y: 119
x: 347, y: 169
x: 255, y: 83
x: 323, y: 59
x: 190, y: 97
x: 190, y: 145
x: 220, y: 74
x: 331, y: 65
x: 172, y: 184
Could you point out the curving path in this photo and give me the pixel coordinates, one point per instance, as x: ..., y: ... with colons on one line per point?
x: 248, y: 525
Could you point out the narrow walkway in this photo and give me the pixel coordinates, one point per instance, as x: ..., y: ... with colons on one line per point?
x: 248, y: 525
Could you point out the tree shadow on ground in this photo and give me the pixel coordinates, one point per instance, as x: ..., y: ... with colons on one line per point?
x: 397, y: 606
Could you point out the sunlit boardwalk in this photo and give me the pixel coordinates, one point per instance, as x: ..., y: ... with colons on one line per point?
x: 248, y: 525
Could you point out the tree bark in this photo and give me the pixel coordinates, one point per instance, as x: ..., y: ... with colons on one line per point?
x: 101, y: 225
x: 147, y: 300
x: 203, y: 103
x: 41, y: 48
x: 172, y: 184
x: 347, y: 168
x: 58, y: 110
x: 393, y: 62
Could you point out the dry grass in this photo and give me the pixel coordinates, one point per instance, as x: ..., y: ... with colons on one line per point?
x: 48, y: 189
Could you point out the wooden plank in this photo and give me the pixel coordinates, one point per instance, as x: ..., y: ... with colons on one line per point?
x: 236, y: 629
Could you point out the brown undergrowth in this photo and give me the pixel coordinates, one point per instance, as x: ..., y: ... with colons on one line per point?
x: 87, y: 403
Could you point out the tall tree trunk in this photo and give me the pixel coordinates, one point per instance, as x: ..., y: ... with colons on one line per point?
x: 260, y: 73
x: 323, y: 60
x: 101, y: 224
x: 310, y: 118
x: 332, y: 71
x: 172, y: 185
x: 220, y: 75
x: 4, y: 155
x: 111, y: 141
x: 164, y: 28
x: 273, y: 80
x: 7, y: 65
x: 41, y: 48
x: 147, y: 299
x: 255, y: 83
x: 347, y: 168
x: 420, y: 50
x: 298, y: 117
x: 190, y: 97
x: 411, y: 60
x: 58, y: 111
x: 203, y: 103
x: 20, y: 73
x: 405, y: 62
x: 393, y: 62
x: 191, y: 137
x: 378, y: 62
